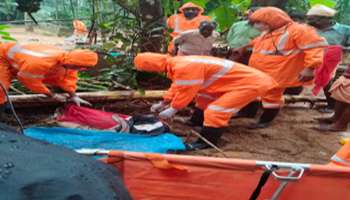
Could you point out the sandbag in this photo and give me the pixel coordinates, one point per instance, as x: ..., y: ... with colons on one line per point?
x: 31, y: 169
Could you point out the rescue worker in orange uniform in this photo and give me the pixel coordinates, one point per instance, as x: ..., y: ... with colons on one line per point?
x: 79, y: 28
x: 189, y: 17
x: 287, y: 51
x: 221, y: 88
x: 342, y: 157
x: 36, y: 66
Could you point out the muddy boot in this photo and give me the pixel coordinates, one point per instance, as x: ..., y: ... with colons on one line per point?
x: 197, y: 118
x: 249, y: 111
x: 339, y: 109
x: 265, y: 119
x: 211, y: 134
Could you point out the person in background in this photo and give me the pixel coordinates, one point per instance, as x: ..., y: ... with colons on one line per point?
x: 197, y: 42
x: 239, y: 35
x: 287, y: 51
x: 340, y: 91
x: 189, y: 17
x: 221, y: 88
x: 37, y: 66
x: 322, y: 18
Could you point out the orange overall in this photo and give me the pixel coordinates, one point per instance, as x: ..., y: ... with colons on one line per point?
x: 221, y: 87
x: 284, y: 52
x: 342, y: 157
x: 178, y: 23
x: 35, y: 65
x: 79, y: 28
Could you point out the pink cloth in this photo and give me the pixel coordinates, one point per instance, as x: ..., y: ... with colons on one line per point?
x: 92, y: 118
x: 323, y: 74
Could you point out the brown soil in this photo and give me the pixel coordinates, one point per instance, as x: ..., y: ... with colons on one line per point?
x: 291, y: 138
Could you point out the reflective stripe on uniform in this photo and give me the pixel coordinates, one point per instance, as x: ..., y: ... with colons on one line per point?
x: 335, y: 158
x: 30, y: 75
x: 222, y: 109
x: 188, y: 82
x: 206, y: 96
x: 271, y: 105
x: 177, y: 25
x: 314, y: 45
x: 282, y: 42
x: 225, y: 64
x: 19, y: 49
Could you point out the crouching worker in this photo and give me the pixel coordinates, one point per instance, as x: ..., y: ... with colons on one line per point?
x: 221, y: 88
x: 37, y: 66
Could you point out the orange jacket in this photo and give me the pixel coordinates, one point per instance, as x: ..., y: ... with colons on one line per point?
x: 288, y: 49
x: 202, y: 74
x: 179, y: 23
x: 79, y: 27
x: 342, y: 157
x: 37, y: 64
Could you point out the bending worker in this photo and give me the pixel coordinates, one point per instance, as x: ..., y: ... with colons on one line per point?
x: 221, y: 88
x: 37, y: 66
x: 189, y: 17
x: 287, y: 51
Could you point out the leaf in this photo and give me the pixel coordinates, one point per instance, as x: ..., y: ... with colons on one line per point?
x: 3, y: 27
x: 4, y: 33
x: 9, y: 38
x: 328, y: 3
x: 224, y: 15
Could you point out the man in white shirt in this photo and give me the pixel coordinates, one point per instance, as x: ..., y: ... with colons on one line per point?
x: 197, y: 41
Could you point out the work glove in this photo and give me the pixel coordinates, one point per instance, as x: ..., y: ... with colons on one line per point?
x: 167, y: 113
x: 59, y: 97
x: 78, y: 101
x: 306, y: 75
x: 158, y: 106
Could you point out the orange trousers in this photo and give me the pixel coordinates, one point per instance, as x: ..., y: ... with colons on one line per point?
x: 273, y: 98
x: 219, y: 108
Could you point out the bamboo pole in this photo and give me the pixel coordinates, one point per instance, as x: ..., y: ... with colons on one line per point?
x: 32, y: 100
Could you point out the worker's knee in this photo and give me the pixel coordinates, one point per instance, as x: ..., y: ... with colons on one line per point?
x: 217, y: 119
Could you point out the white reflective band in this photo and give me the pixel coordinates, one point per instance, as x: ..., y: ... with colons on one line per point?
x: 281, y: 44
x: 271, y: 105
x: 30, y: 75
x: 282, y: 52
x: 222, y: 109
x: 188, y: 82
x: 177, y: 25
x: 206, y: 96
x: 314, y: 45
x: 339, y: 160
x: 225, y: 64
x: 19, y: 49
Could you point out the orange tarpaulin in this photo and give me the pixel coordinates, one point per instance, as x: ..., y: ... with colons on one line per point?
x: 153, y: 176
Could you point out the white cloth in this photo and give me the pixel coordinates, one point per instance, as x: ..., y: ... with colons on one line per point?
x: 191, y: 42
x: 321, y: 10
x: 158, y: 106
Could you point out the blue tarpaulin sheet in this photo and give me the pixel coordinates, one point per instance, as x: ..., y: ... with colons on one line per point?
x: 93, y: 139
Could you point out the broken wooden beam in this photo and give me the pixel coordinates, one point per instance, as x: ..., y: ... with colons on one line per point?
x: 33, y: 100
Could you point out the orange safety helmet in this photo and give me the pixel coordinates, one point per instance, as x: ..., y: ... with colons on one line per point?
x: 272, y: 16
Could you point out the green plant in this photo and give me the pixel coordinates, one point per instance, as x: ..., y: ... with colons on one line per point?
x: 4, y: 35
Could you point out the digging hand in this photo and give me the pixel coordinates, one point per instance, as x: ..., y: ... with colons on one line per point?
x: 79, y: 101
x: 167, y: 113
x: 158, y: 106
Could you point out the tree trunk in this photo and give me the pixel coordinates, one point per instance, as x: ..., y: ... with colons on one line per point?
x: 153, y: 24
x: 277, y: 3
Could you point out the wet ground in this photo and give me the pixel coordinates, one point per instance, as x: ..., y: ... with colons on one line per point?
x: 292, y: 137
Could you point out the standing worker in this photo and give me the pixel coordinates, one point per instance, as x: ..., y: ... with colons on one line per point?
x: 198, y: 41
x: 337, y: 36
x: 36, y: 66
x: 221, y: 88
x: 190, y: 17
x: 287, y: 51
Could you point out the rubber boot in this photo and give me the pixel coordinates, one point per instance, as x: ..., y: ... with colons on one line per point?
x: 265, y: 119
x: 211, y: 134
x: 197, y: 117
x: 249, y: 111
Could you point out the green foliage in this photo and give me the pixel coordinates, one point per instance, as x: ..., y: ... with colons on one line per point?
x: 328, y: 3
x: 4, y: 35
